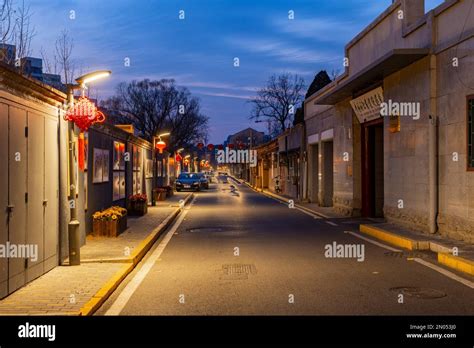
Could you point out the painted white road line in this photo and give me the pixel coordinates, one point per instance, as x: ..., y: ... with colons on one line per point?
x: 445, y: 272
x: 133, y: 285
x: 420, y: 261
x: 331, y: 223
x: 373, y: 241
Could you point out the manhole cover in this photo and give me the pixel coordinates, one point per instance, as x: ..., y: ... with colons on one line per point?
x: 237, y: 271
x: 425, y: 293
x: 405, y: 254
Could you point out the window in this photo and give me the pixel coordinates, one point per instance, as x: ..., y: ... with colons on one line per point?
x: 470, y: 133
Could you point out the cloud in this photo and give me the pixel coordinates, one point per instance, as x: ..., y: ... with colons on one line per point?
x: 225, y: 95
x: 318, y: 29
x: 282, y: 50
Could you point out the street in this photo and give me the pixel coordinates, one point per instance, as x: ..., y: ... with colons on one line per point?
x: 243, y: 253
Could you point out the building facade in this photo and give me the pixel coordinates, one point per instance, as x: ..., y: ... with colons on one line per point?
x: 401, y: 117
x: 30, y: 178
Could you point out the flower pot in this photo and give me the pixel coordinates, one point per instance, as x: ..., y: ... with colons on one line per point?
x: 162, y: 196
x: 109, y: 228
x: 138, y: 208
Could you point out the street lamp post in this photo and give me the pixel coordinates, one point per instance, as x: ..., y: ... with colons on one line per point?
x: 156, y: 139
x: 74, y: 239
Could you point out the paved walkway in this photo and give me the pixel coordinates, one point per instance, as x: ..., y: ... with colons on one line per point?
x: 67, y: 290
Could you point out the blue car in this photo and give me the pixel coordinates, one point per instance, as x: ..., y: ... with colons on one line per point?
x: 188, y: 181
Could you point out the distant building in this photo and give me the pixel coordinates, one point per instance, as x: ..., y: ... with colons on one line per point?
x: 7, y: 53
x: 54, y: 81
x: 247, y: 137
x: 30, y: 66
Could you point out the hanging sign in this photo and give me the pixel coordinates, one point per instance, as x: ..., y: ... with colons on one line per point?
x: 367, y: 106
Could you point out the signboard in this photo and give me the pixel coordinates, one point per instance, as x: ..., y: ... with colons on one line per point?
x: 367, y: 106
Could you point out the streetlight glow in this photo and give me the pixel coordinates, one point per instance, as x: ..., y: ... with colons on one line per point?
x: 96, y: 75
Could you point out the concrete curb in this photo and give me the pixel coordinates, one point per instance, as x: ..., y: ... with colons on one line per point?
x: 139, y: 252
x: 394, y: 239
x: 457, y: 263
x: 444, y: 253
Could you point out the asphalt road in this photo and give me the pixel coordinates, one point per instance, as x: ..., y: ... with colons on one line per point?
x: 280, y: 269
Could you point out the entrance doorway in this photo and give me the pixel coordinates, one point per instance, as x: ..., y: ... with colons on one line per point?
x: 327, y: 174
x: 372, y: 168
x: 313, y: 173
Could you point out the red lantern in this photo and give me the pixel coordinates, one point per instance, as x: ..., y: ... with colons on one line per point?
x: 84, y: 114
x: 178, y: 157
x: 210, y: 147
x: 200, y: 146
x: 160, y: 145
x: 231, y: 146
x: 220, y: 147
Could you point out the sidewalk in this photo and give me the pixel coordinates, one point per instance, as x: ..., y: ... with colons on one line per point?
x: 462, y: 261
x: 105, y: 262
x: 325, y: 212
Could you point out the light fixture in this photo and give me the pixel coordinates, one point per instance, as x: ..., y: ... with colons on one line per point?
x: 96, y: 75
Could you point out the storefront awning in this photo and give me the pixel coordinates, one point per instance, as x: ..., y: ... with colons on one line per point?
x: 388, y: 64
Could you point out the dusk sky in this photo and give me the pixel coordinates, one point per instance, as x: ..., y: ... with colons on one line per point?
x: 198, y: 51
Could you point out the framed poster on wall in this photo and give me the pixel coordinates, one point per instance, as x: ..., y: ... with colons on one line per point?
x: 118, y: 157
x: 97, y: 166
x: 105, y: 165
x: 135, y: 157
x: 134, y: 185
x: 122, y: 185
x: 149, y: 168
x: 116, y: 186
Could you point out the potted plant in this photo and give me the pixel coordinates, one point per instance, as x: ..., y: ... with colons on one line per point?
x: 160, y: 194
x: 138, y: 204
x: 109, y: 222
x: 169, y: 191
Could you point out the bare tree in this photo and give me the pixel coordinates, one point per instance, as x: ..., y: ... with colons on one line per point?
x: 157, y: 106
x: 334, y: 74
x: 278, y: 100
x: 50, y: 65
x: 6, y: 14
x: 64, y: 47
x: 23, y: 31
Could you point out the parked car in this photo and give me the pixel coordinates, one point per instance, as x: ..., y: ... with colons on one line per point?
x: 209, y: 175
x: 204, y: 181
x: 188, y: 181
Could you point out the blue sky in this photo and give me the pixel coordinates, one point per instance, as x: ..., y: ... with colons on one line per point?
x: 198, y: 51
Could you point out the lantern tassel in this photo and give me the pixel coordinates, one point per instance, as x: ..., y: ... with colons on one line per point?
x: 81, y: 151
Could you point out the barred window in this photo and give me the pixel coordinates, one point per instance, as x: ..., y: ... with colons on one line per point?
x: 470, y: 132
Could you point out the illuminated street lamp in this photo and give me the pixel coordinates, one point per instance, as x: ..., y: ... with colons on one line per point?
x: 73, y: 225
x: 160, y: 145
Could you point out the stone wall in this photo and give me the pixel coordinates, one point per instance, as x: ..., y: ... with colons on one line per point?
x: 406, y: 176
x: 456, y: 183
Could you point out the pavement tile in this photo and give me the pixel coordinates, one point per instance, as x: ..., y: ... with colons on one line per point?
x: 50, y: 293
